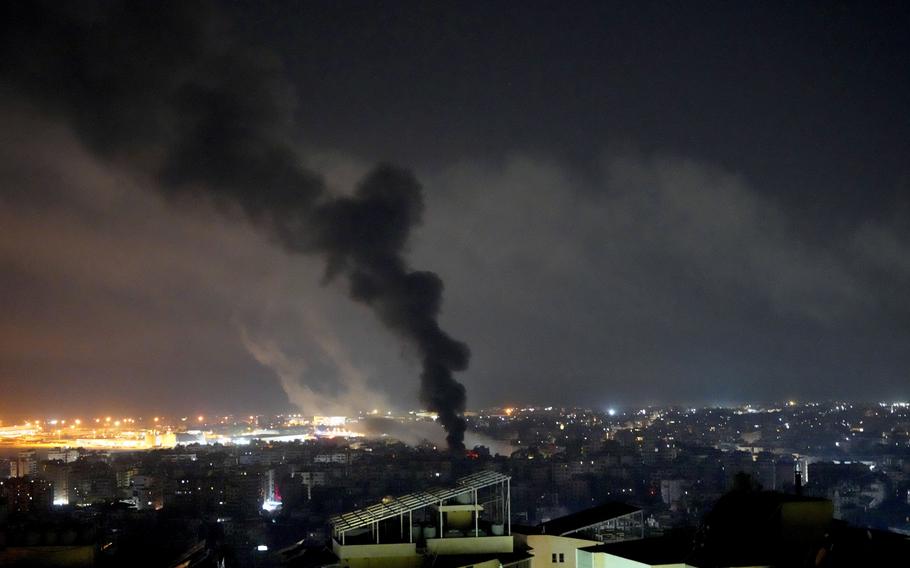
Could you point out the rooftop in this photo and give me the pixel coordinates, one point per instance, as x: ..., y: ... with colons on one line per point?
x: 394, y: 506
x: 457, y: 560
x: 668, y: 549
x: 588, y: 517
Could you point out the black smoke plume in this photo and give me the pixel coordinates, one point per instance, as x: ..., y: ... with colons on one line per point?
x: 163, y: 86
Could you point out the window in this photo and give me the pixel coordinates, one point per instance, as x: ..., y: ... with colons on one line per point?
x: 554, y: 558
x: 562, y: 558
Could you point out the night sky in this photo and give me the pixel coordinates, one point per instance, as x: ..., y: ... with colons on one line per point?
x: 627, y: 203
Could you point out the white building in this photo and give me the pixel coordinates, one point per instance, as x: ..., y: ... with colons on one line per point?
x: 24, y: 464
x: 556, y: 542
x: 66, y: 455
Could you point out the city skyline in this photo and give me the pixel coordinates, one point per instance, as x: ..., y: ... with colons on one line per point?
x: 404, y: 284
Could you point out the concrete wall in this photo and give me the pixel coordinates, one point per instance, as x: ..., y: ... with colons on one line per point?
x: 462, y: 520
x: 393, y: 555
x: 385, y: 562
x: 805, y: 521
x: 470, y: 545
x: 543, y: 546
x: 604, y: 560
x: 590, y: 559
x: 494, y: 563
x: 611, y: 561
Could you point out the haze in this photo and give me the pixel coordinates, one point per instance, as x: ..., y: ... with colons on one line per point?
x: 682, y: 203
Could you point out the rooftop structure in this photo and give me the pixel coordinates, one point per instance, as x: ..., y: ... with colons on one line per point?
x: 558, y: 540
x: 604, y: 523
x: 468, y: 524
x: 464, y: 493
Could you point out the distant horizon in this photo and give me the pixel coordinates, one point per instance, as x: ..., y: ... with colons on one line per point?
x: 192, y: 418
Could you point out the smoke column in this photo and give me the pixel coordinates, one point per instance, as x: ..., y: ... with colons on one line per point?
x: 163, y: 87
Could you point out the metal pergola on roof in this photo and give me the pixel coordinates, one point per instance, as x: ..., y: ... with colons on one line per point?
x: 391, y: 507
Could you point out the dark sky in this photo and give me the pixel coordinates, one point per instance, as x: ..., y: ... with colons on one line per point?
x: 629, y: 203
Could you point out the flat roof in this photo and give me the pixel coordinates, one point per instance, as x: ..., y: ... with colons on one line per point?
x: 586, y: 518
x: 668, y: 549
x: 457, y: 560
x: 395, y: 506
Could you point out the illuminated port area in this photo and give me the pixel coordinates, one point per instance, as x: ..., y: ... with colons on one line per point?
x: 113, y: 432
x: 94, y: 433
x: 116, y: 432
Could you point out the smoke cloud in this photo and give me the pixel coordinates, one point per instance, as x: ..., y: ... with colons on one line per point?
x: 415, y: 432
x: 163, y: 87
x: 347, y: 399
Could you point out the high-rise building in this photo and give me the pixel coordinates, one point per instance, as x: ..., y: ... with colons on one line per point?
x: 144, y: 493
x: 23, y: 495
x: 57, y: 472
x: 24, y: 465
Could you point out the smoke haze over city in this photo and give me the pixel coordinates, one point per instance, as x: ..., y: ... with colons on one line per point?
x: 621, y: 211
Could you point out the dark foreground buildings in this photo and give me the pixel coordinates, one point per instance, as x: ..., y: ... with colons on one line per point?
x: 745, y: 528
x: 465, y: 524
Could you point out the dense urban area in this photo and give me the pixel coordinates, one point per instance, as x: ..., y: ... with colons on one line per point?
x: 249, y: 489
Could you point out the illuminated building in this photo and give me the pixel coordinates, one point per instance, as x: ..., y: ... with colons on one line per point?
x: 57, y: 472
x: 24, y: 464
x: 27, y: 429
x: 190, y: 437
x: 272, y: 496
x: 66, y: 455
x: 337, y: 458
x: 165, y: 439
x: 143, y: 492
x: 332, y: 421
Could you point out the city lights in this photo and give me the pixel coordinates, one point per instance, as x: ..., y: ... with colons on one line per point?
x: 536, y: 285
x: 270, y: 505
x: 159, y: 432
